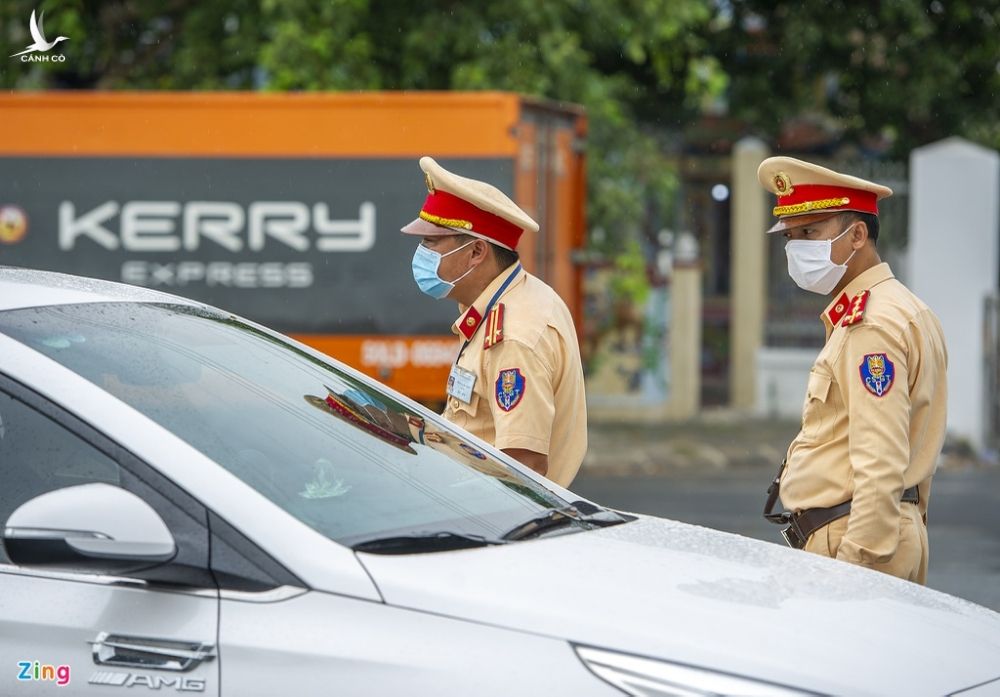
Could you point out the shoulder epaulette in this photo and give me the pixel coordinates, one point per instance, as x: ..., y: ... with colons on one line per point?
x: 857, y: 310
x: 494, y: 327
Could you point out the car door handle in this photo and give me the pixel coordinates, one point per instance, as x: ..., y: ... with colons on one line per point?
x: 141, y: 652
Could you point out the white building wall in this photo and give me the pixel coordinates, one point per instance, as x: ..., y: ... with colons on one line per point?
x: 782, y: 377
x: 953, y: 260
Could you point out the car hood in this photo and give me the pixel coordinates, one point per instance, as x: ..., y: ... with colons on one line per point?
x: 702, y: 597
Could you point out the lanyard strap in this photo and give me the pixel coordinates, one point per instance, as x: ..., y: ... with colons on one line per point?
x: 489, y: 306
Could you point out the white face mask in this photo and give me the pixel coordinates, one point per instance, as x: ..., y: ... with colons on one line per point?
x: 810, y: 265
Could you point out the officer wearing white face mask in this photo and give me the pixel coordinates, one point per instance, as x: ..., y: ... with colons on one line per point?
x: 517, y: 381
x: 856, y: 481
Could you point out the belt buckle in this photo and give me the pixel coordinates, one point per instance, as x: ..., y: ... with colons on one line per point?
x: 793, y: 535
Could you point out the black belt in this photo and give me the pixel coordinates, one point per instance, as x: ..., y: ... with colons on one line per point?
x: 809, y: 521
x: 804, y: 523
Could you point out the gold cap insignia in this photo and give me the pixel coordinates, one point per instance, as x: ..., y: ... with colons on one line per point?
x: 429, y: 182
x: 783, y: 184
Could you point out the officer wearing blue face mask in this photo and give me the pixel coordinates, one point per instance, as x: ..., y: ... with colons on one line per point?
x: 517, y: 380
x: 856, y: 480
x: 427, y: 267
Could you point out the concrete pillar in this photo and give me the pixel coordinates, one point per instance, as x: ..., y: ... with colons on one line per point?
x: 685, y: 330
x: 953, y: 260
x: 749, y: 271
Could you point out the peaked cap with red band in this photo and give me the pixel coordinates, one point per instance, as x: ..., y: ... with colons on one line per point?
x: 457, y: 204
x: 808, y: 193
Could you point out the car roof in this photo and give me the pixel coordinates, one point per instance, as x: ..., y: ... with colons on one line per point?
x: 21, y: 287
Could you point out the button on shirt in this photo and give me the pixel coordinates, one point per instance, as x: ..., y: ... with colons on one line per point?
x: 873, y: 422
x: 542, y: 406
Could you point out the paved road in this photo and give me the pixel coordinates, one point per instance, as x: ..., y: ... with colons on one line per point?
x: 964, y: 526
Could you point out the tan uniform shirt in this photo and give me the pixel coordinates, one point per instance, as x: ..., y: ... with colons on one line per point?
x: 529, y: 379
x: 874, y: 416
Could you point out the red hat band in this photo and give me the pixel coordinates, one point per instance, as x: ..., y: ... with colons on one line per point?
x: 442, y: 208
x: 809, y: 198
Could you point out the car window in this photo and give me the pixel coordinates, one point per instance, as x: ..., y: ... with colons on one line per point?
x: 334, y: 450
x: 38, y: 455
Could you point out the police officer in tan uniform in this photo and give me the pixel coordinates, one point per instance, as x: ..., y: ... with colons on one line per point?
x: 857, y: 478
x: 518, y: 381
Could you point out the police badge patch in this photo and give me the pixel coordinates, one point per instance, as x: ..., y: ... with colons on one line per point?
x: 877, y: 373
x: 509, y: 388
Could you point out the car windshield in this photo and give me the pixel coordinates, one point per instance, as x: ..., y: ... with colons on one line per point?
x: 331, y: 448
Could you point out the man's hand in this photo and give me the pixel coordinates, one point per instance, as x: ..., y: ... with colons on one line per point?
x: 536, y: 461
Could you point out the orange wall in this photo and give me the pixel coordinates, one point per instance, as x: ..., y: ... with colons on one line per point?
x: 369, y: 124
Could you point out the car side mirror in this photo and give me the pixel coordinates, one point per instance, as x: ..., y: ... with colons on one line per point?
x: 94, y: 528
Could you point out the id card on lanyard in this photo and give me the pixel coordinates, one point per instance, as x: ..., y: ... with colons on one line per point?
x: 462, y: 382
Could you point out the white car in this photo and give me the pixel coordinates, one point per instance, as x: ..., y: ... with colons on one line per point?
x: 193, y: 503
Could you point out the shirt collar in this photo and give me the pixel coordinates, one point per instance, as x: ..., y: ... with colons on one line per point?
x: 838, y: 307
x: 467, y: 324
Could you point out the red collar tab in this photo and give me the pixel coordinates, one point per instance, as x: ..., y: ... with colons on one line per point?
x: 809, y: 198
x: 442, y: 208
x: 857, y: 311
x: 470, y: 322
x: 839, y: 309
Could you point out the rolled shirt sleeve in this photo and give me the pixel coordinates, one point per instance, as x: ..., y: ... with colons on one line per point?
x: 873, y: 371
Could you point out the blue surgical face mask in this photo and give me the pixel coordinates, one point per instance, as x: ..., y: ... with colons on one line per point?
x: 425, y: 271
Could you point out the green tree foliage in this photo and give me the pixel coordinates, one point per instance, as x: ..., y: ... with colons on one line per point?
x: 892, y: 74
x: 178, y: 44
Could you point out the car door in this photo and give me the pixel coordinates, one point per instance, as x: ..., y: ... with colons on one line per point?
x: 90, y: 633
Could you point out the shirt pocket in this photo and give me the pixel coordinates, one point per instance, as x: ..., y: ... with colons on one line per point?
x: 461, y: 413
x: 818, y: 412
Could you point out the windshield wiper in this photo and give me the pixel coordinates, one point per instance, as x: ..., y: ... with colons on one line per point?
x: 441, y: 541
x: 576, y: 512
